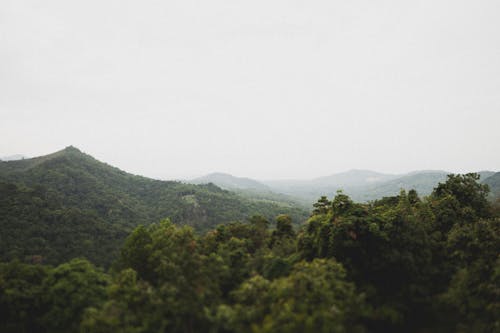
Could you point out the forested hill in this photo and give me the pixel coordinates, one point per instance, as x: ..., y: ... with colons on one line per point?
x: 40, y: 197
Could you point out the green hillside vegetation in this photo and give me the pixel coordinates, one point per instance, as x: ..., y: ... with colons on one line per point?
x: 43, y: 199
x: 272, y: 197
x: 398, y: 264
x: 37, y: 227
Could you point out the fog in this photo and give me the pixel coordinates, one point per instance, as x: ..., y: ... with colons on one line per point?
x: 263, y: 89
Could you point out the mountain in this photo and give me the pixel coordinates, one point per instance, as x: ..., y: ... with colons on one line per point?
x: 421, y: 181
x: 362, y: 185
x: 80, y: 180
x: 485, y: 174
x: 493, y: 182
x: 250, y: 189
x: 229, y: 182
x: 13, y: 157
x: 42, y: 198
x: 351, y: 182
x: 353, y: 178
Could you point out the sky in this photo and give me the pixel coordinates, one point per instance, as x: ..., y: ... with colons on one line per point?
x: 264, y: 89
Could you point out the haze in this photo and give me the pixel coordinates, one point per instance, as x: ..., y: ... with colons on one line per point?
x: 263, y: 89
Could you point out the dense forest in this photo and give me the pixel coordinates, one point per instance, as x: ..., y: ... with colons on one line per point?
x: 399, y: 264
x: 68, y: 204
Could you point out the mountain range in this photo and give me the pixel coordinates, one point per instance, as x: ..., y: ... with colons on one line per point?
x: 68, y: 204
x: 360, y: 185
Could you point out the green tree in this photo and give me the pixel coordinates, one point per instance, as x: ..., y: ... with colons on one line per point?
x: 471, y: 196
x: 284, y: 230
x: 322, y: 206
x: 474, y: 291
x: 315, y: 297
x: 133, y: 306
x: 21, y: 296
x: 68, y: 290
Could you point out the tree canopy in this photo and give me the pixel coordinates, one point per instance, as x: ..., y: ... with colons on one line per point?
x: 398, y: 264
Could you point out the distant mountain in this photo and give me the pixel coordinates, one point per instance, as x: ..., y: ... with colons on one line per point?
x: 351, y: 182
x: 349, y: 178
x: 421, y: 181
x: 363, y: 185
x: 41, y: 198
x: 353, y: 178
x: 13, y: 157
x: 485, y: 174
x: 493, y: 182
x: 229, y: 182
x: 250, y: 189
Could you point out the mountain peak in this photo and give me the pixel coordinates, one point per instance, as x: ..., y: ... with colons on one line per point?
x: 72, y: 149
x: 69, y: 152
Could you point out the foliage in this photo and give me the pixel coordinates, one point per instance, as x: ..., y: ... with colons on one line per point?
x: 35, y: 298
x: 21, y: 296
x: 36, y: 227
x: 314, y: 297
x: 398, y: 264
x: 68, y: 290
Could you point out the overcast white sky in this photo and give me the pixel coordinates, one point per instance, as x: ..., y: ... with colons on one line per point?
x: 257, y: 88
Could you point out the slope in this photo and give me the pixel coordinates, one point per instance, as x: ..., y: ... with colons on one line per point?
x: 36, y: 227
x: 249, y: 189
x: 493, y: 182
x: 74, y: 181
x: 421, y: 181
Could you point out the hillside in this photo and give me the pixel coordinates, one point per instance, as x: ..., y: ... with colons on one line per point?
x: 73, y: 181
x: 485, y: 174
x: 82, y: 181
x: 493, y: 182
x: 37, y: 227
x: 249, y: 189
